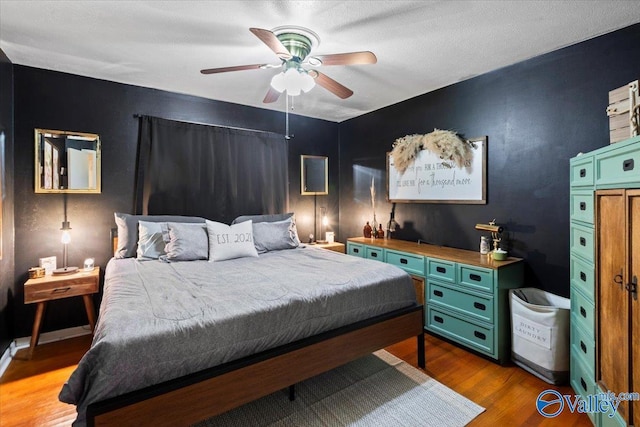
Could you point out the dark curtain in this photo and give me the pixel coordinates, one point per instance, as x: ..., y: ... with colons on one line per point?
x: 209, y: 171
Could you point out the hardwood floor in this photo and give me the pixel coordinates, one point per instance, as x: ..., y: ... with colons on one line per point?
x: 29, y: 388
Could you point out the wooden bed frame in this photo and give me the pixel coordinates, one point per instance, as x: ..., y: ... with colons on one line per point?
x: 192, y: 398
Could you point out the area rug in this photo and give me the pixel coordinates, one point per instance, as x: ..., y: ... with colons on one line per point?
x: 377, y: 390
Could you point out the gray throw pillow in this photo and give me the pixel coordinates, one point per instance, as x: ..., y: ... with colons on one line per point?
x: 262, y: 218
x: 128, y: 229
x: 150, y: 241
x: 274, y: 236
x: 185, y: 242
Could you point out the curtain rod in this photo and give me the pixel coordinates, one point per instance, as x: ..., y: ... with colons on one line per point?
x: 137, y: 116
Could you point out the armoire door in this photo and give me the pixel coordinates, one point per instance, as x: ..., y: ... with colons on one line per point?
x: 633, y: 208
x: 612, y: 303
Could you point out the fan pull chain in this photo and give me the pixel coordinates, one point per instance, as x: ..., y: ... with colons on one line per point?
x: 286, y: 115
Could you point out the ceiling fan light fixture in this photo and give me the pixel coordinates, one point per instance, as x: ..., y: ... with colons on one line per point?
x: 294, y: 81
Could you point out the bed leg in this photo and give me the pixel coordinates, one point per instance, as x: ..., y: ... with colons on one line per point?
x: 292, y: 392
x: 421, y: 359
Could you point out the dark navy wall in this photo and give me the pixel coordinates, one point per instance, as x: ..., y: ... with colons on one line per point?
x: 7, y: 295
x: 53, y: 100
x: 537, y: 114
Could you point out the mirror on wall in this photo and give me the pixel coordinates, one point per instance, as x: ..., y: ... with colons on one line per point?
x: 314, y: 176
x: 67, y: 162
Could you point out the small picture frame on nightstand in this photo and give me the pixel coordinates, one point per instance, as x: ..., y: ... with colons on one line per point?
x: 49, y: 264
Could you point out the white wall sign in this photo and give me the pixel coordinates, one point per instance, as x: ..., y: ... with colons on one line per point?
x: 431, y: 179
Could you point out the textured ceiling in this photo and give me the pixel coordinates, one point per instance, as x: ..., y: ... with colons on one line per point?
x: 421, y: 45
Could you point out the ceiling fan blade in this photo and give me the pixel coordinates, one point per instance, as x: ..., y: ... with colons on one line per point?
x: 236, y: 68
x: 272, y: 41
x: 331, y: 85
x: 352, y: 58
x: 272, y: 96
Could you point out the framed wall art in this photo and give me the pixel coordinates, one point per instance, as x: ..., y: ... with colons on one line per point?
x: 431, y: 179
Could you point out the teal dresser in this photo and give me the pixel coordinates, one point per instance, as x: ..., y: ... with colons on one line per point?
x: 598, y: 181
x: 465, y: 293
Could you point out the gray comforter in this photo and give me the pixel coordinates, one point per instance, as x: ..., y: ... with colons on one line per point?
x: 160, y: 321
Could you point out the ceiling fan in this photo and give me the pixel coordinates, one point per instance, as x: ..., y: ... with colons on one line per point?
x: 293, y: 45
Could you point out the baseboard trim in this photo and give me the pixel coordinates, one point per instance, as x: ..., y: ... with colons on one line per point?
x: 46, y: 337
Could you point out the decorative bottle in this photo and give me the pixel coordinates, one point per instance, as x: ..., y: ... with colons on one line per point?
x: 380, y: 232
x: 367, y: 230
x: 484, y: 245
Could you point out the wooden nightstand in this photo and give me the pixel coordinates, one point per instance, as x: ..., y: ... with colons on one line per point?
x: 335, y: 246
x: 42, y: 290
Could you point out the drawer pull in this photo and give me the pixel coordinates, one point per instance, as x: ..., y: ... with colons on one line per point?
x: 479, y: 306
x: 441, y: 270
x: 583, y: 346
x: 356, y: 250
x: 583, y: 312
x: 374, y: 254
x: 404, y: 261
x: 583, y: 173
x: 627, y: 165
x: 583, y: 384
x: 438, y: 293
x: 583, y: 241
x: 61, y: 290
x: 583, y: 276
x: 479, y: 335
x: 438, y: 319
x: 475, y: 277
x: 583, y: 206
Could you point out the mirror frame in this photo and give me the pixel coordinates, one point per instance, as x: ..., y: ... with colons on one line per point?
x: 38, y: 135
x: 303, y: 170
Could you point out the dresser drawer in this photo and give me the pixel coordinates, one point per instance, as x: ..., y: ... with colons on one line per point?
x: 582, y: 344
x: 50, y: 290
x: 408, y: 262
x: 581, y: 171
x: 477, y: 278
x: 467, y: 333
x: 584, y: 311
x: 583, y: 277
x: 478, y: 307
x: 618, y: 166
x: 582, y: 241
x: 445, y: 271
x: 581, y: 207
x: 372, y: 252
x: 581, y: 380
x: 355, y: 249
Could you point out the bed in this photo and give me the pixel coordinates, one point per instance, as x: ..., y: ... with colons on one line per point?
x: 178, y: 342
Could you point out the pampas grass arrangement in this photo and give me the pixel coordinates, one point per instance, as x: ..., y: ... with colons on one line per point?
x: 445, y: 143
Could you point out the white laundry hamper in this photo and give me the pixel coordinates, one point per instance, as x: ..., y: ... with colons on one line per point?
x: 540, y: 333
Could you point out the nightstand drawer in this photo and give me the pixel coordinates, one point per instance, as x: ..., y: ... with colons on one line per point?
x: 410, y: 263
x: 45, y: 289
x: 442, y: 270
x: 480, y: 279
x: 373, y: 253
x: 479, y: 307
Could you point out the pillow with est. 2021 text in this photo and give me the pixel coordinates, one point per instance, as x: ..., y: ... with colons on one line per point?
x: 230, y: 241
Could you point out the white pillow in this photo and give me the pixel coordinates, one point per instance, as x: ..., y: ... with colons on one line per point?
x: 228, y: 242
x: 150, y: 241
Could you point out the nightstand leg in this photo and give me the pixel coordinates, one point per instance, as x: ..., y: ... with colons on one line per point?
x: 35, y: 333
x: 91, y: 314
